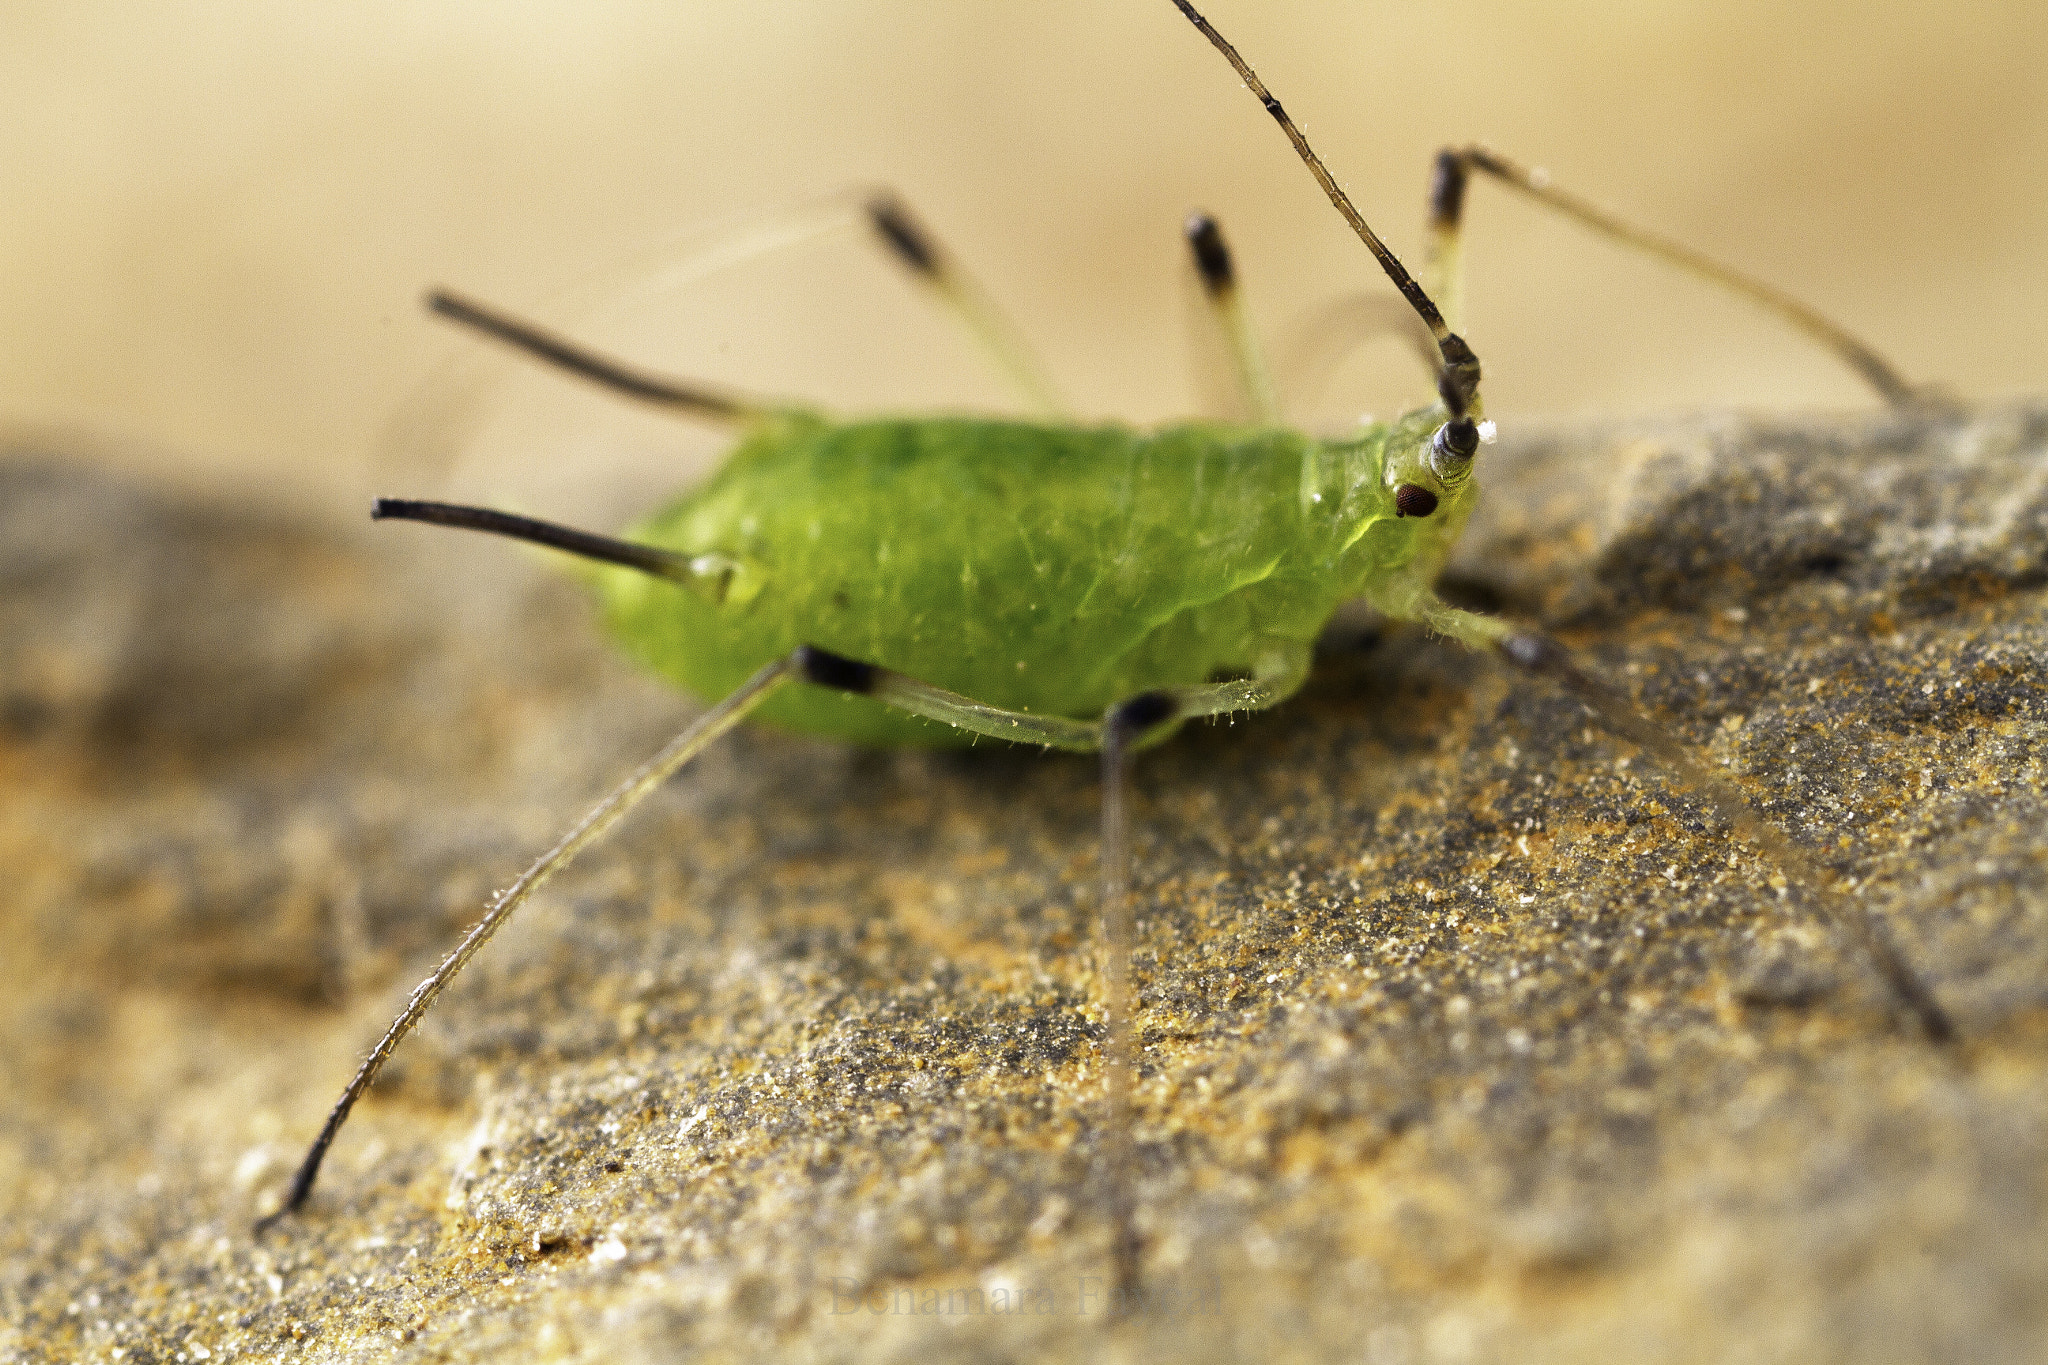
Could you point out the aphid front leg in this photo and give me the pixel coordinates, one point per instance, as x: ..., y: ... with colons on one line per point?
x: 1538, y: 654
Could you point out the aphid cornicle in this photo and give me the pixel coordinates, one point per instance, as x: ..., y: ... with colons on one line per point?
x: 931, y: 581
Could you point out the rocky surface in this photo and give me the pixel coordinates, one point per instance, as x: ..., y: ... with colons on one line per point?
x: 1467, y: 1038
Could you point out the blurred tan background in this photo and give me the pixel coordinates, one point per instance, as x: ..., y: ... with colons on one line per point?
x: 218, y: 216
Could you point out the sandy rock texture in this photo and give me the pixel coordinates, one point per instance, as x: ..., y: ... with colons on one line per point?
x: 1467, y: 1038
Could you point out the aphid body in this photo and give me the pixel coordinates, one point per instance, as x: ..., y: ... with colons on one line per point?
x: 1035, y: 568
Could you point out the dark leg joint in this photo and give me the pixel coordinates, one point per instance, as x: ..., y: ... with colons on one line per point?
x: 903, y: 235
x: 1458, y: 382
x: 1212, y: 256
x: 1134, y: 716
x: 1447, y: 189
x: 834, y: 670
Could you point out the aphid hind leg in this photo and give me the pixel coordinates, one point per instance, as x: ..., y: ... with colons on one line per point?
x: 1538, y: 654
x: 1451, y: 177
x: 608, y: 812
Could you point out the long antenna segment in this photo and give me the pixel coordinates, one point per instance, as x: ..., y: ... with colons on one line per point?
x: 1458, y: 381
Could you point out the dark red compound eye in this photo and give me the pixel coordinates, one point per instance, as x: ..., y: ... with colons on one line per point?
x: 1413, y: 500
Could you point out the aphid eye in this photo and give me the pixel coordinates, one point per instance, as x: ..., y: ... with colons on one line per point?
x: 1413, y: 500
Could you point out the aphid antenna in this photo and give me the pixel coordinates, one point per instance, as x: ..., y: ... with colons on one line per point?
x: 1457, y: 378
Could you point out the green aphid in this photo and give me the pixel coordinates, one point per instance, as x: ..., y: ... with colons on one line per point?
x: 948, y: 550
x: 933, y: 581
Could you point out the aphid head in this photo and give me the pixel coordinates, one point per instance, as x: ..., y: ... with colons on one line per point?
x: 1418, y: 481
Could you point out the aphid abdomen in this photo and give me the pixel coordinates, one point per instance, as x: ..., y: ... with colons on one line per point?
x: 1034, y: 568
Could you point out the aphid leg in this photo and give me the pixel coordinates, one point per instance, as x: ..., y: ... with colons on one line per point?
x: 1443, y: 268
x: 1055, y: 732
x: 698, y: 400
x: 936, y: 268
x: 587, y: 831
x: 1446, y: 208
x: 1213, y: 266
x: 1125, y: 724
x: 1122, y: 728
x: 1538, y: 654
